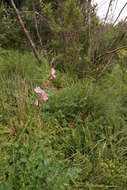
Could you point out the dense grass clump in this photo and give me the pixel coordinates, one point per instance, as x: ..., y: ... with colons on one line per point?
x: 76, y: 140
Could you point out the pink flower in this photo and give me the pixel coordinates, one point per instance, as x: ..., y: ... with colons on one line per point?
x: 44, y: 97
x: 36, y: 103
x: 52, y: 73
x: 38, y: 90
x: 43, y: 94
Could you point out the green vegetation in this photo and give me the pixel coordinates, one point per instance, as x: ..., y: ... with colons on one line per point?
x: 77, y: 140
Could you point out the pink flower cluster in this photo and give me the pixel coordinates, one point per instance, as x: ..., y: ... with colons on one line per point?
x: 38, y: 90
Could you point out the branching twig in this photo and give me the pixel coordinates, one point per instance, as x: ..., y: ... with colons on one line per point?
x: 118, y: 40
x: 113, y: 51
x: 106, y: 66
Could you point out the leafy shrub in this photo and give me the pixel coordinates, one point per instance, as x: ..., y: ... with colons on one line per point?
x: 89, y: 99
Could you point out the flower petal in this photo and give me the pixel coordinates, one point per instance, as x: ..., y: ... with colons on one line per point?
x: 44, y: 97
x: 52, y: 73
x: 38, y: 90
x: 36, y: 103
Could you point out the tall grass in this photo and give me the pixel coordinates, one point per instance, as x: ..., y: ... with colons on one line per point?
x: 76, y: 140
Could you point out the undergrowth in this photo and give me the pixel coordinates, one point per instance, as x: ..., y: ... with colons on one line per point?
x: 77, y: 140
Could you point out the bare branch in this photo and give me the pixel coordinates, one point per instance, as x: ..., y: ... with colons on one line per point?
x: 27, y: 34
x: 110, y: 3
x: 36, y: 25
x: 106, y: 66
x: 89, y: 26
x: 120, y: 13
x: 113, y: 51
